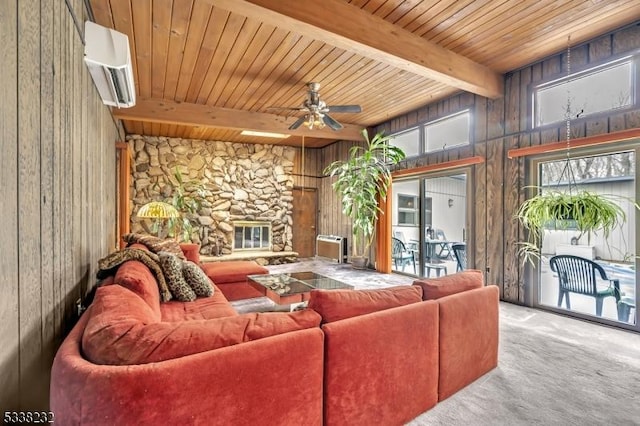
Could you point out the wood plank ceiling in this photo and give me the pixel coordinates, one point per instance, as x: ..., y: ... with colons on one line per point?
x: 206, y: 69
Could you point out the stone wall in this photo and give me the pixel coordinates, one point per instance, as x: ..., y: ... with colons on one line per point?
x: 240, y: 182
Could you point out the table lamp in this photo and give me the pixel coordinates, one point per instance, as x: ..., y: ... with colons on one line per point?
x: 158, y: 210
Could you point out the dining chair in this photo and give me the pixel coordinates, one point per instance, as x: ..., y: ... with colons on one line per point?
x: 578, y: 275
x: 460, y: 253
x: 401, y: 255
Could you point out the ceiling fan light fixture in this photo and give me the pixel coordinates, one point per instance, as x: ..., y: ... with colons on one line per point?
x: 264, y: 134
x: 314, y: 120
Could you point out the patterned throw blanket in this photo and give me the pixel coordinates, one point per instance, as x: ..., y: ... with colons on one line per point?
x: 151, y: 260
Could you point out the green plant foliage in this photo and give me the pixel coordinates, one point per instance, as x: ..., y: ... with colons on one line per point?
x: 586, y: 211
x: 183, y: 200
x: 360, y: 180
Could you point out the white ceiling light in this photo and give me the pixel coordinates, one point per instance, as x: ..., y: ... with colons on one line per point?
x: 264, y: 134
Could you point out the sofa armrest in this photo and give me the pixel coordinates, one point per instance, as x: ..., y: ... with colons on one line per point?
x: 468, y: 337
x: 381, y: 367
x: 242, y: 384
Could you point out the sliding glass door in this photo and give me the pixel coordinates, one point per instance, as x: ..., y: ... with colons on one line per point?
x: 429, y: 221
x: 612, y: 174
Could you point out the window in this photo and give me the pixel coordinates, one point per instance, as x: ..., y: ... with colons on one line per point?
x: 408, y: 141
x: 408, y: 210
x: 448, y: 132
x: 599, y: 89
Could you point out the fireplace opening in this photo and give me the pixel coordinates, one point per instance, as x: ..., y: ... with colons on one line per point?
x: 251, y: 235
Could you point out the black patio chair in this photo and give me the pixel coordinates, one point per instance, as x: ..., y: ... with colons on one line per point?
x: 460, y: 253
x: 401, y: 256
x: 578, y: 275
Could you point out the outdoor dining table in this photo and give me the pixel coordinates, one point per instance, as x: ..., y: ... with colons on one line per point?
x: 430, y: 249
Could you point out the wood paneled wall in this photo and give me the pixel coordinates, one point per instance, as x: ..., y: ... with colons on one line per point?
x: 307, y: 168
x: 503, y: 124
x: 331, y: 220
x: 57, y: 174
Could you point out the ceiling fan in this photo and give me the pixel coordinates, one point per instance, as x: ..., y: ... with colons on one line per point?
x: 316, y: 111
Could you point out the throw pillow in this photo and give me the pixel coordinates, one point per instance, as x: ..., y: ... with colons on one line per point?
x: 334, y: 305
x: 197, y: 279
x: 435, y: 288
x: 155, y: 244
x: 172, y: 269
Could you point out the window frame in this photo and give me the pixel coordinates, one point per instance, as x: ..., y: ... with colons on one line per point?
x: 581, y: 72
x: 532, y: 275
x: 414, y: 210
x: 422, y: 132
x: 466, y: 111
x: 419, y: 140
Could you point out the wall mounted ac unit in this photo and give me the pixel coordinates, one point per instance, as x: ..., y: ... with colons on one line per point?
x: 107, y: 55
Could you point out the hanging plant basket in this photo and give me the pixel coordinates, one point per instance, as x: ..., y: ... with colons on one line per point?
x: 585, y: 211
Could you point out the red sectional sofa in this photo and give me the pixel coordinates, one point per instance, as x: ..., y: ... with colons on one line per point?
x: 354, y: 357
x: 468, y: 328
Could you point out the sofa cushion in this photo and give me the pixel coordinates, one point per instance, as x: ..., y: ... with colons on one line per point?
x: 136, y: 277
x: 172, y: 269
x: 435, y: 288
x: 121, y: 330
x: 155, y: 244
x: 191, y: 252
x: 469, y: 337
x: 197, y: 279
x: 114, y: 309
x: 334, y: 305
x: 216, y: 306
x: 381, y: 368
x: 233, y: 271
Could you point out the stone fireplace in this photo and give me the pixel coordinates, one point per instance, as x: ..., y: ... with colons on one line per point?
x: 251, y: 235
x: 249, y: 187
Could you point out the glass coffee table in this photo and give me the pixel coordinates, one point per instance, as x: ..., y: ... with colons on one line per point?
x: 292, y: 288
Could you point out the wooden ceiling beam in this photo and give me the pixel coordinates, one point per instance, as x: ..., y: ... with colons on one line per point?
x: 350, y: 28
x: 189, y: 114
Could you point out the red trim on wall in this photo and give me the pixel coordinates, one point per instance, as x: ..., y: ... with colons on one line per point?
x: 575, y: 143
x: 124, y: 180
x: 439, y: 166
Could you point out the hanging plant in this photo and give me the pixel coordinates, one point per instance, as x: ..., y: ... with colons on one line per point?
x: 587, y: 211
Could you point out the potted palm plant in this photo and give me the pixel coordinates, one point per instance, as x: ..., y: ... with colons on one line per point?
x: 360, y: 182
x: 583, y: 210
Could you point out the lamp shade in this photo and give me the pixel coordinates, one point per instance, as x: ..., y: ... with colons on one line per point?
x: 158, y: 210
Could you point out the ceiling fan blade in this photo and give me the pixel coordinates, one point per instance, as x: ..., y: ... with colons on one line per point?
x: 288, y: 108
x: 344, y: 108
x: 297, y: 123
x: 331, y: 122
